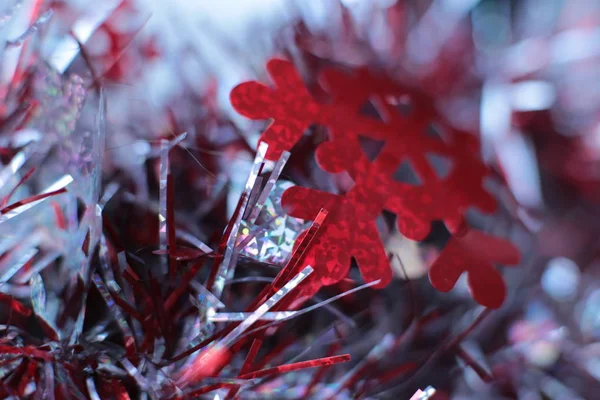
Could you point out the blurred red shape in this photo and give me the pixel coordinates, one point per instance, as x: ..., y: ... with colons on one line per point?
x: 401, y: 119
x: 475, y: 253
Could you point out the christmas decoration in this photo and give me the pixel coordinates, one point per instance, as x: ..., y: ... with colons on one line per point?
x: 182, y: 218
x: 350, y: 231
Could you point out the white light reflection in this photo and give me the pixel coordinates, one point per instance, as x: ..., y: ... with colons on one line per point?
x: 495, y: 115
x: 520, y: 167
x: 532, y: 96
x: 561, y: 279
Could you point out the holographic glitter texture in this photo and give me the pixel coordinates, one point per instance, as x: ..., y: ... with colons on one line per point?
x: 273, y: 245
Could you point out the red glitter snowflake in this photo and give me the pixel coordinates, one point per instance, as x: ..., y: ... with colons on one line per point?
x: 403, y: 126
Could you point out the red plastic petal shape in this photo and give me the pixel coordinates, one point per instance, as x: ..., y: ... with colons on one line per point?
x: 401, y: 118
x: 475, y: 253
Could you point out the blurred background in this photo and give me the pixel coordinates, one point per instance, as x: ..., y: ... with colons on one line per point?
x: 522, y: 75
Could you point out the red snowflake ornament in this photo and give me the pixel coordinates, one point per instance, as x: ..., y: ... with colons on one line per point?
x: 406, y: 140
x: 475, y: 254
x: 289, y: 104
x: 350, y: 229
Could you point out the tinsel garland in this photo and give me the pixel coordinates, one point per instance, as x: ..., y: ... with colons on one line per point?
x: 154, y: 245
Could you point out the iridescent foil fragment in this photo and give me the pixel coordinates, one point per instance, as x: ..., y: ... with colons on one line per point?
x: 8, y: 172
x: 269, y: 186
x: 96, y: 150
x: 38, y: 294
x: 424, y: 394
x: 265, y: 307
x: 215, y: 355
x: 280, y: 316
x: 91, y: 387
x: 274, y: 245
x: 191, y: 239
x: 254, y: 194
x: 213, y: 301
x: 58, y: 185
x: 48, y: 391
x: 31, y: 199
x: 226, y: 268
x: 22, y: 181
x: 116, y: 312
x: 251, y: 235
x: 327, y: 361
x: 241, y: 316
x: 16, y: 259
x: 162, y: 202
x: 63, y: 98
x: 135, y: 374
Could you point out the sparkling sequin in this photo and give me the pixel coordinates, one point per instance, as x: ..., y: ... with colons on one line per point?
x: 274, y: 245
